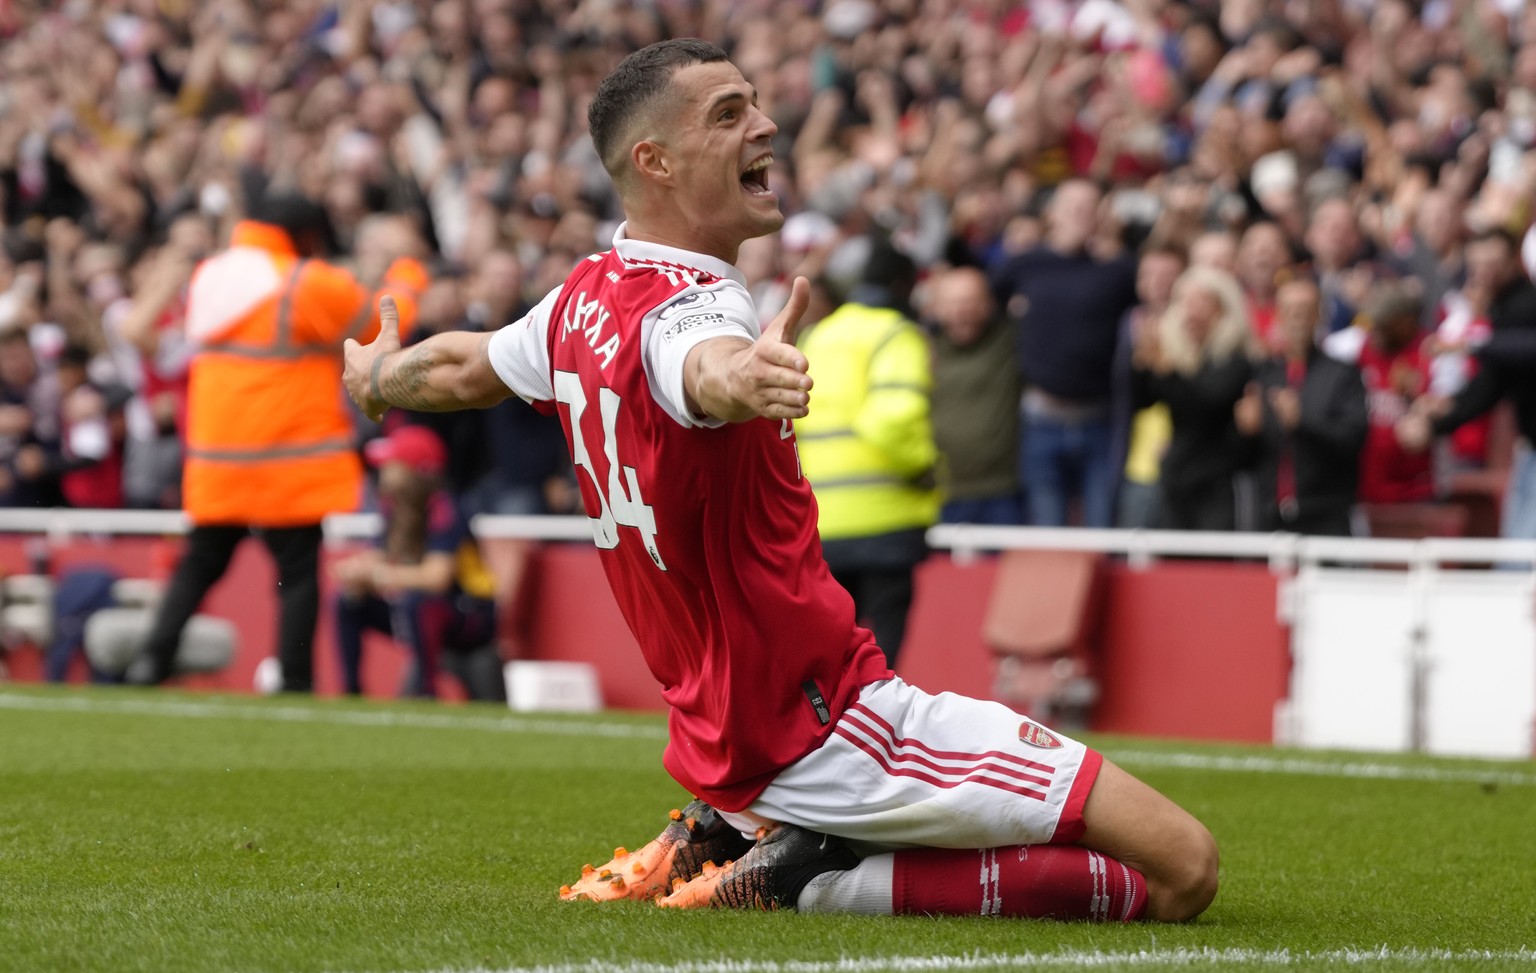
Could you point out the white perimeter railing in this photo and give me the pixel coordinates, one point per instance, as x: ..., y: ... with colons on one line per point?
x: 1325, y: 631
x: 1283, y: 552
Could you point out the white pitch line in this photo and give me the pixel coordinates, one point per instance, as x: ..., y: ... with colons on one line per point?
x: 1252, y: 764
x: 340, y: 717
x: 1062, y: 960
x: 1259, y: 764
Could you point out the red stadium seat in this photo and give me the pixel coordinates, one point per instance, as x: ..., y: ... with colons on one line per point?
x: 1041, y: 622
x: 1412, y: 521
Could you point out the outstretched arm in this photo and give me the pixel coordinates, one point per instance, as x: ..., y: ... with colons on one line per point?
x: 735, y: 380
x: 447, y: 371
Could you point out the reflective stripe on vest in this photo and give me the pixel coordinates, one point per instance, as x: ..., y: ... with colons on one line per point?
x: 220, y: 455
x: 281, y: 338
x: 862, y: 480
x: 282, y: 347
x: 364, y: 315
x: 255, y: 352
x: 809, y: 437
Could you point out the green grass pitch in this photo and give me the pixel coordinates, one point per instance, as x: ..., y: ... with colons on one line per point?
x: 170, y: 832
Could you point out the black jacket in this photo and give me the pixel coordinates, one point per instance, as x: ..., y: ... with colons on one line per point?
x: 1325, y: 447
x: 1201, y: 450
x: 1508, y: 363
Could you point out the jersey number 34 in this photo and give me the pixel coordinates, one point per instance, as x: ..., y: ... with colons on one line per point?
x: 618, y: 505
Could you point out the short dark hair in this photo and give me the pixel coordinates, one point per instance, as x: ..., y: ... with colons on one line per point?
x: 888, y: 267
x: 296, y: 214
x: 75, y: 355
x: 639, y: 79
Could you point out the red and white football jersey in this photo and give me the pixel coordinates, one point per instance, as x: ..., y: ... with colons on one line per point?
x: 707, y: 530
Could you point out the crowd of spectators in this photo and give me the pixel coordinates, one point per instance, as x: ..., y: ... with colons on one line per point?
x: 1175, y: 205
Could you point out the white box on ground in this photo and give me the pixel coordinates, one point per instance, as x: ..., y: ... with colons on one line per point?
x: 566, y: 687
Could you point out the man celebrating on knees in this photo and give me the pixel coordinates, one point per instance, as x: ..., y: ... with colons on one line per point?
x: 866, y: 794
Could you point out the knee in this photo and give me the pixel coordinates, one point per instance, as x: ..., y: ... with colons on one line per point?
x: 1187, y: 887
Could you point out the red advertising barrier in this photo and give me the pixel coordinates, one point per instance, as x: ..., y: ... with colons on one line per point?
x: 1185, y: 649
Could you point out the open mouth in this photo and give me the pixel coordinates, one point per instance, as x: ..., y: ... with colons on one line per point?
x: 754, y: 179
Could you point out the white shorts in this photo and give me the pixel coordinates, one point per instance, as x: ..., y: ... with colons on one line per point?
x: 906, y: 769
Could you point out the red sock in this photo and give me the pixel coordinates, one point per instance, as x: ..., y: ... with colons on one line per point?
x: 1034, y: 881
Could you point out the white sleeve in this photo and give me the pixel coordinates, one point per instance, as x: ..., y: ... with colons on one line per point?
x: 722, y: 309
x: 1345, y: 345
x: 519, y: 352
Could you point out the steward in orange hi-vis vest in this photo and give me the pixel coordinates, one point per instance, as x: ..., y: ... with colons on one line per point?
x: 269, y: 437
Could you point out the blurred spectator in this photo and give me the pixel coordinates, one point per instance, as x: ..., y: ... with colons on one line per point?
x: 1368, y: 135
x: 1389, y: 349
x: 149, y: 332
x: 29, y: 424
x: 1334, y: 241
x: 91, y: 434
x: 1261, y: 255
x: 1149, y: 427
x: 443, y: 307
x: 1463, y: 328
x: 1197, y: 361
x: 1066, y: 303
x: 975, y: 401
x: 1216, y: 249
x: 270, y: 445
x: 1304, y: 422
x: 868, y: 446
x: 1432, y: 253
x: 425, y: 585
x: 527, y: 467
x: 1507, y: 368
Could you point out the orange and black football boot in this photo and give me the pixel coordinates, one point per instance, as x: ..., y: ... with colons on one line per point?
x: 770, y: 876
x: 695, y: 839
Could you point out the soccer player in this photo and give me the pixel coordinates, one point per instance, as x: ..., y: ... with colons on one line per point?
x: 868, y: 795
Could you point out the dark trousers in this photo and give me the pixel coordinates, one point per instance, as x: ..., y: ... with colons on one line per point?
x: 1060, y: 461
x: 1318, y: 520
x: 877, y: 571
x: 296, y: 551
x: 1208, y: 506
x: 454, y: 633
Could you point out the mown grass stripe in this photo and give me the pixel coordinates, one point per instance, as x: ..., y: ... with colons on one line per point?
x: 1242, y: 764
x: 340, y: 717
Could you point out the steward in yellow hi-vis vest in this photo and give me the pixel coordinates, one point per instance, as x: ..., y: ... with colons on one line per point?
x: 270, y: 445
x: 867, y: 445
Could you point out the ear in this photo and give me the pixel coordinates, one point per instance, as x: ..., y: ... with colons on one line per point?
x: 650, y: 160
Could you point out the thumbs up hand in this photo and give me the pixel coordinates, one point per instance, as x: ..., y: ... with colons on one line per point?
x: 774, y: 371
x: 732, y: 379
x: 361, y: 363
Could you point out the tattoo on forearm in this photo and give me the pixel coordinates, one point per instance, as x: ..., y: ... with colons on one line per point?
x: 406, y: 385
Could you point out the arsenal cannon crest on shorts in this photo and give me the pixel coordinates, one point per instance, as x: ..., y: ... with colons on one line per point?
x: 1038, y: 736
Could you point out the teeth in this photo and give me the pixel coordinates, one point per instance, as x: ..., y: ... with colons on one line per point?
x: 762, y: 163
